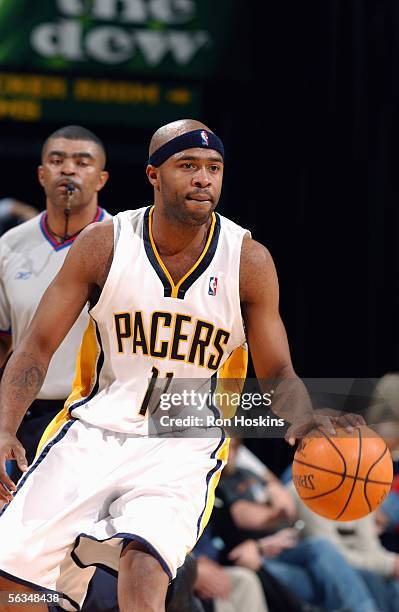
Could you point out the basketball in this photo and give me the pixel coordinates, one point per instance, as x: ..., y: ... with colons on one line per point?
x: 343, y: 477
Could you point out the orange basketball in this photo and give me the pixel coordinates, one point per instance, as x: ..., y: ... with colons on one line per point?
x: 343, y: 477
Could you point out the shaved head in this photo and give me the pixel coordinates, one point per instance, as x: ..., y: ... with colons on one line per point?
x: 185, y: 167
x: 171, y: 130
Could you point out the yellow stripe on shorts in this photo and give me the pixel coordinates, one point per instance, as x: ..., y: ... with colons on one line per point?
x: 221, y: 455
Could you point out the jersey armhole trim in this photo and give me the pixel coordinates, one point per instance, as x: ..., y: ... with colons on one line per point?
x: 116, y: 236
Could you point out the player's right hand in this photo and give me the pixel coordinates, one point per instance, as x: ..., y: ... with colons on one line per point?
x: 10, y: 448
x: 324, y: 420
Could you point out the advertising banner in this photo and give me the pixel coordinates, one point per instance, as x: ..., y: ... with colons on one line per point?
x: 170, y: 38
x: 38, y: 97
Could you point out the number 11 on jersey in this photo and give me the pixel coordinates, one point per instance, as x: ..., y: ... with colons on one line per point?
x: 151, y: 387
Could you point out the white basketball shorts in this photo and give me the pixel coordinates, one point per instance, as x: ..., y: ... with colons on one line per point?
x: 91, y: 491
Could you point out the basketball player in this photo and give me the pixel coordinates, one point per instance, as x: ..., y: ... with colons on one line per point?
x: 168, y: 287
x: 71, y: 174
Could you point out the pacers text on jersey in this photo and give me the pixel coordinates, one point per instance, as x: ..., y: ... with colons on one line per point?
x: 190, y: 340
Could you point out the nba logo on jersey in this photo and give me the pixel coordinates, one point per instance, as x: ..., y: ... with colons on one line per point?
x: 213, y: 284
x: 204, y: 138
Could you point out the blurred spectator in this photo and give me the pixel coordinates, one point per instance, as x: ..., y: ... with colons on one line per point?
x: 383, y: 412
x: 223, y: 587
x: 13, y: 212
x: 313, y: 569
x: 231, y: 589
x: 359, y: 544
x: 248, y: 461
x: 387, y: 515
x: 383, y: 416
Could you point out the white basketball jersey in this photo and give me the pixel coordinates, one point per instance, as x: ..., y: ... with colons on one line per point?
x: 145, y: 328
x: 29, y: 260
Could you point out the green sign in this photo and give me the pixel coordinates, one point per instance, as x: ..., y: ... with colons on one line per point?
x: 170, y: 38
x: 38, y: 97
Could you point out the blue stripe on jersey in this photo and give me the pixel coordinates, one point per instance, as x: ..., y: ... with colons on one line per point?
x: 40, y: 458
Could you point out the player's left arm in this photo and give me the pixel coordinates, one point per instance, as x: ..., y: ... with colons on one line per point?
x: 57, y: 311
x: 268, y: 343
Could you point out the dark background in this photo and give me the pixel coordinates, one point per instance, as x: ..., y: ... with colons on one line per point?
x: 311, y: 170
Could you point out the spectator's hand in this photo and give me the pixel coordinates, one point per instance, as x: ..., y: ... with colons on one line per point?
x: 381, y: 521
x: 212, y: 580
x: 246, y: 555
x: 273, y: 545
x: 325, y: 420
x: 23, y: 211
x: 396, y: 567
x: 282, y: 500
x: 10, y: 448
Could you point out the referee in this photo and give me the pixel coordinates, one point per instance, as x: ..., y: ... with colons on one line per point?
x: 72, y: 174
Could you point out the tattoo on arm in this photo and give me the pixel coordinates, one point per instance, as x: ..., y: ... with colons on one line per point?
x: 25, y: 378
x: 28, y: 382
x: 21, y: 382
